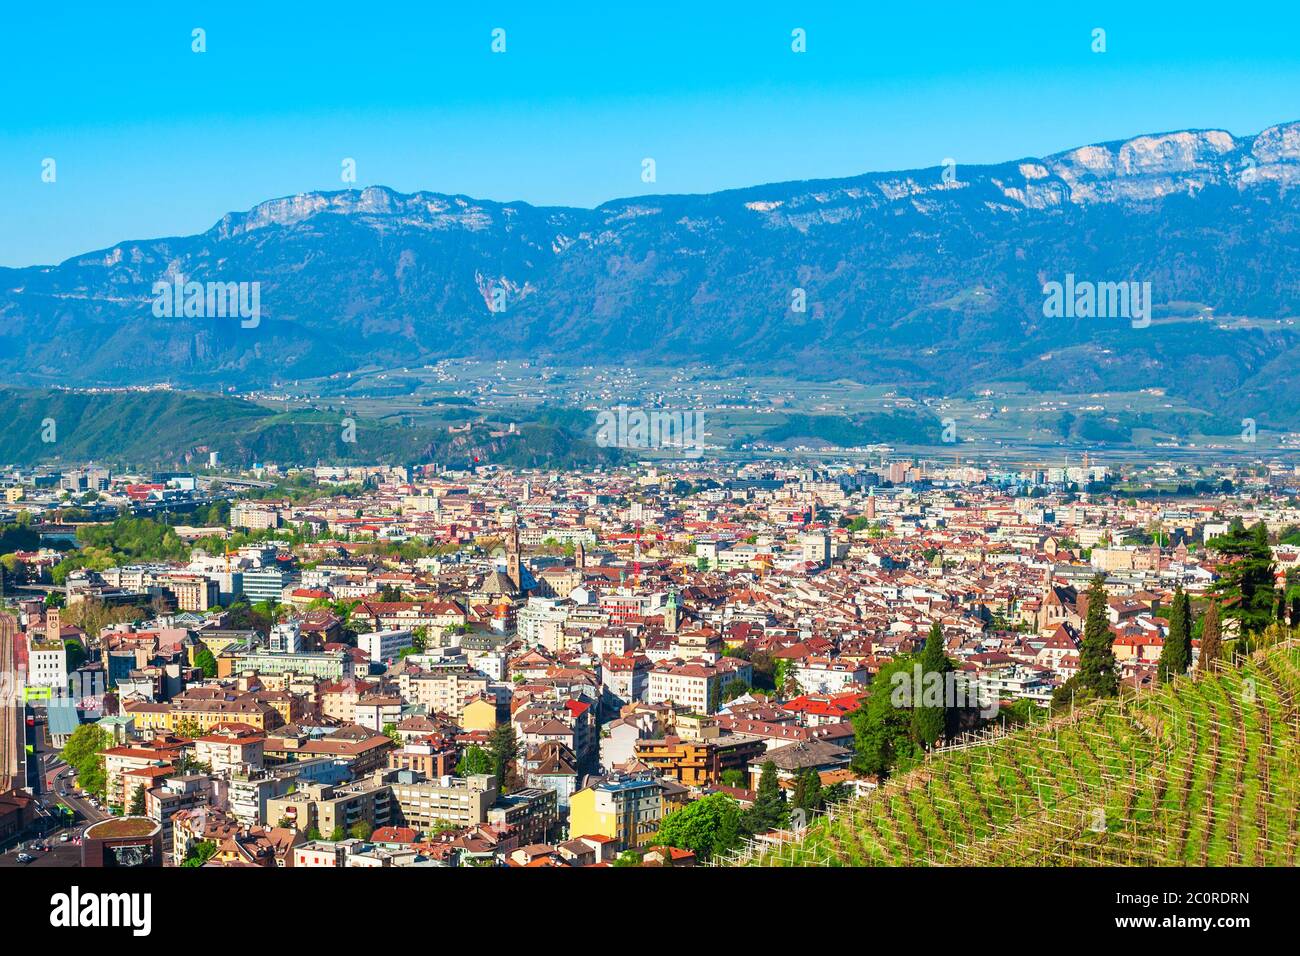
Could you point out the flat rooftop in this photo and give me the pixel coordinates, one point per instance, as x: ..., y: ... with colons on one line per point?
x: 122, y: 827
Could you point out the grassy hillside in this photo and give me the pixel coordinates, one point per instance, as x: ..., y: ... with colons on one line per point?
x: 1201, y: 772
x: 163, y: 429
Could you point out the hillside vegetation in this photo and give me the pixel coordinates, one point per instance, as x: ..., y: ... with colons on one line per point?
x: 172, y: 428
x: 1199, y: 772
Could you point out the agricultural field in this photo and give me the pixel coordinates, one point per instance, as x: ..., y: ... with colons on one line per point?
x: 1201, y: 772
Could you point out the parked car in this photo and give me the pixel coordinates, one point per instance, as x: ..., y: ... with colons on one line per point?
x: 63, y: 838
x: 25, y: 858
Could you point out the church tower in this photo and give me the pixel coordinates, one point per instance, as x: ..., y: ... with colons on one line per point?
x: 513, y: 567
x: 672, y: 612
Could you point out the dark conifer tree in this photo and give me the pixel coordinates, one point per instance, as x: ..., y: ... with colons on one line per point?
x: 1211, y: 639
x: 1176, y: 656
x: 1097, y: 674
x: 929, y: 722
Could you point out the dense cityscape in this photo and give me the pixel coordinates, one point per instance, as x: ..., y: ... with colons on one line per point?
x: 668, y: 663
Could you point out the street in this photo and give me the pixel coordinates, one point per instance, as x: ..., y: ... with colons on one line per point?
x: 55, y: 787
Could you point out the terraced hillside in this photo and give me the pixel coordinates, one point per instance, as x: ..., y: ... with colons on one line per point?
x: 1201, y: 772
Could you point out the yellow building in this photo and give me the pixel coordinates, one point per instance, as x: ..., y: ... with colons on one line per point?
x: 481, y: 714
x: 627, y: 811
x: 148, y: 715
x: 204, y: 714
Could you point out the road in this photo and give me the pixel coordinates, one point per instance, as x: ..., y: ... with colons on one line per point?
x: 55, y: 786
x: 56, y: 779
x: 11, y: 707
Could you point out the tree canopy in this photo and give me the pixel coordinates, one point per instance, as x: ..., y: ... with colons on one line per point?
x: 706, y: 827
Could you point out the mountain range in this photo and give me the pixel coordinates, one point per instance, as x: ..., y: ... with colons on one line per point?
x: 931, y: 280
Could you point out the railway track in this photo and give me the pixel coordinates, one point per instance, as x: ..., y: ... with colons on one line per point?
x: 11, y: 708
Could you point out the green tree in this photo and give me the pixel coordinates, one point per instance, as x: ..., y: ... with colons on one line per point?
x: 1245, y: 585
x: 783, y: 678
x: 475, y: 760
x: 420, y: 637
x: 1097, y: 675
x: 390, y: 731
x: 361, y: 830
x: 503, y: 747
x: 732, y: 777
x: 930, y: 722
x: 137, y: 802
x: 82, y: 754
x: 204, y: 660
x: 882, y: 729
x: 199, y: 853
x: 1176, y: 654
x: 75, y: 653
x: 188, y: 727
x: 808, y: 793
x: 1211, y: 639
x: 706, y: 826
x: 628, y: 858
x: 769, y: 811
x: 764, y: 666
x: 337, y: 834
x: 734, y: 688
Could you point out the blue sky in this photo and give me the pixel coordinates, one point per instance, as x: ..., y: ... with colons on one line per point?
x: 151, y: 139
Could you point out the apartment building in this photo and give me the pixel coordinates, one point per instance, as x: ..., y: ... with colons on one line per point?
x: 444, y: 691
x: 231, y: 748
x: 268, y: 584
x: 627, y: 810
x: 541, y: 622
x: 698, y: 763
x: 426, y: 758
x: 385, y: 645
x: 193, y: 592
x: 47, y: 664
x: 376, y: 712
x: 695, y: 685
x: 446, y: 801
x: 625, y: 678
x: 254, y: 516
x: 533, y: 810
x: 326, y: 665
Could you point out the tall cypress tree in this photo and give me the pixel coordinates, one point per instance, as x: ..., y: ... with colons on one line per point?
x: 929, y: 723
x: 769, y: 809
x: 1097, y: 656
x: 1176, y: 655
x: 1211, y: 639
x: 807, y: 790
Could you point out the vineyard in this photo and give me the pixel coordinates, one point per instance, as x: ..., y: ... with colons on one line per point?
x: 1200, y: 772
